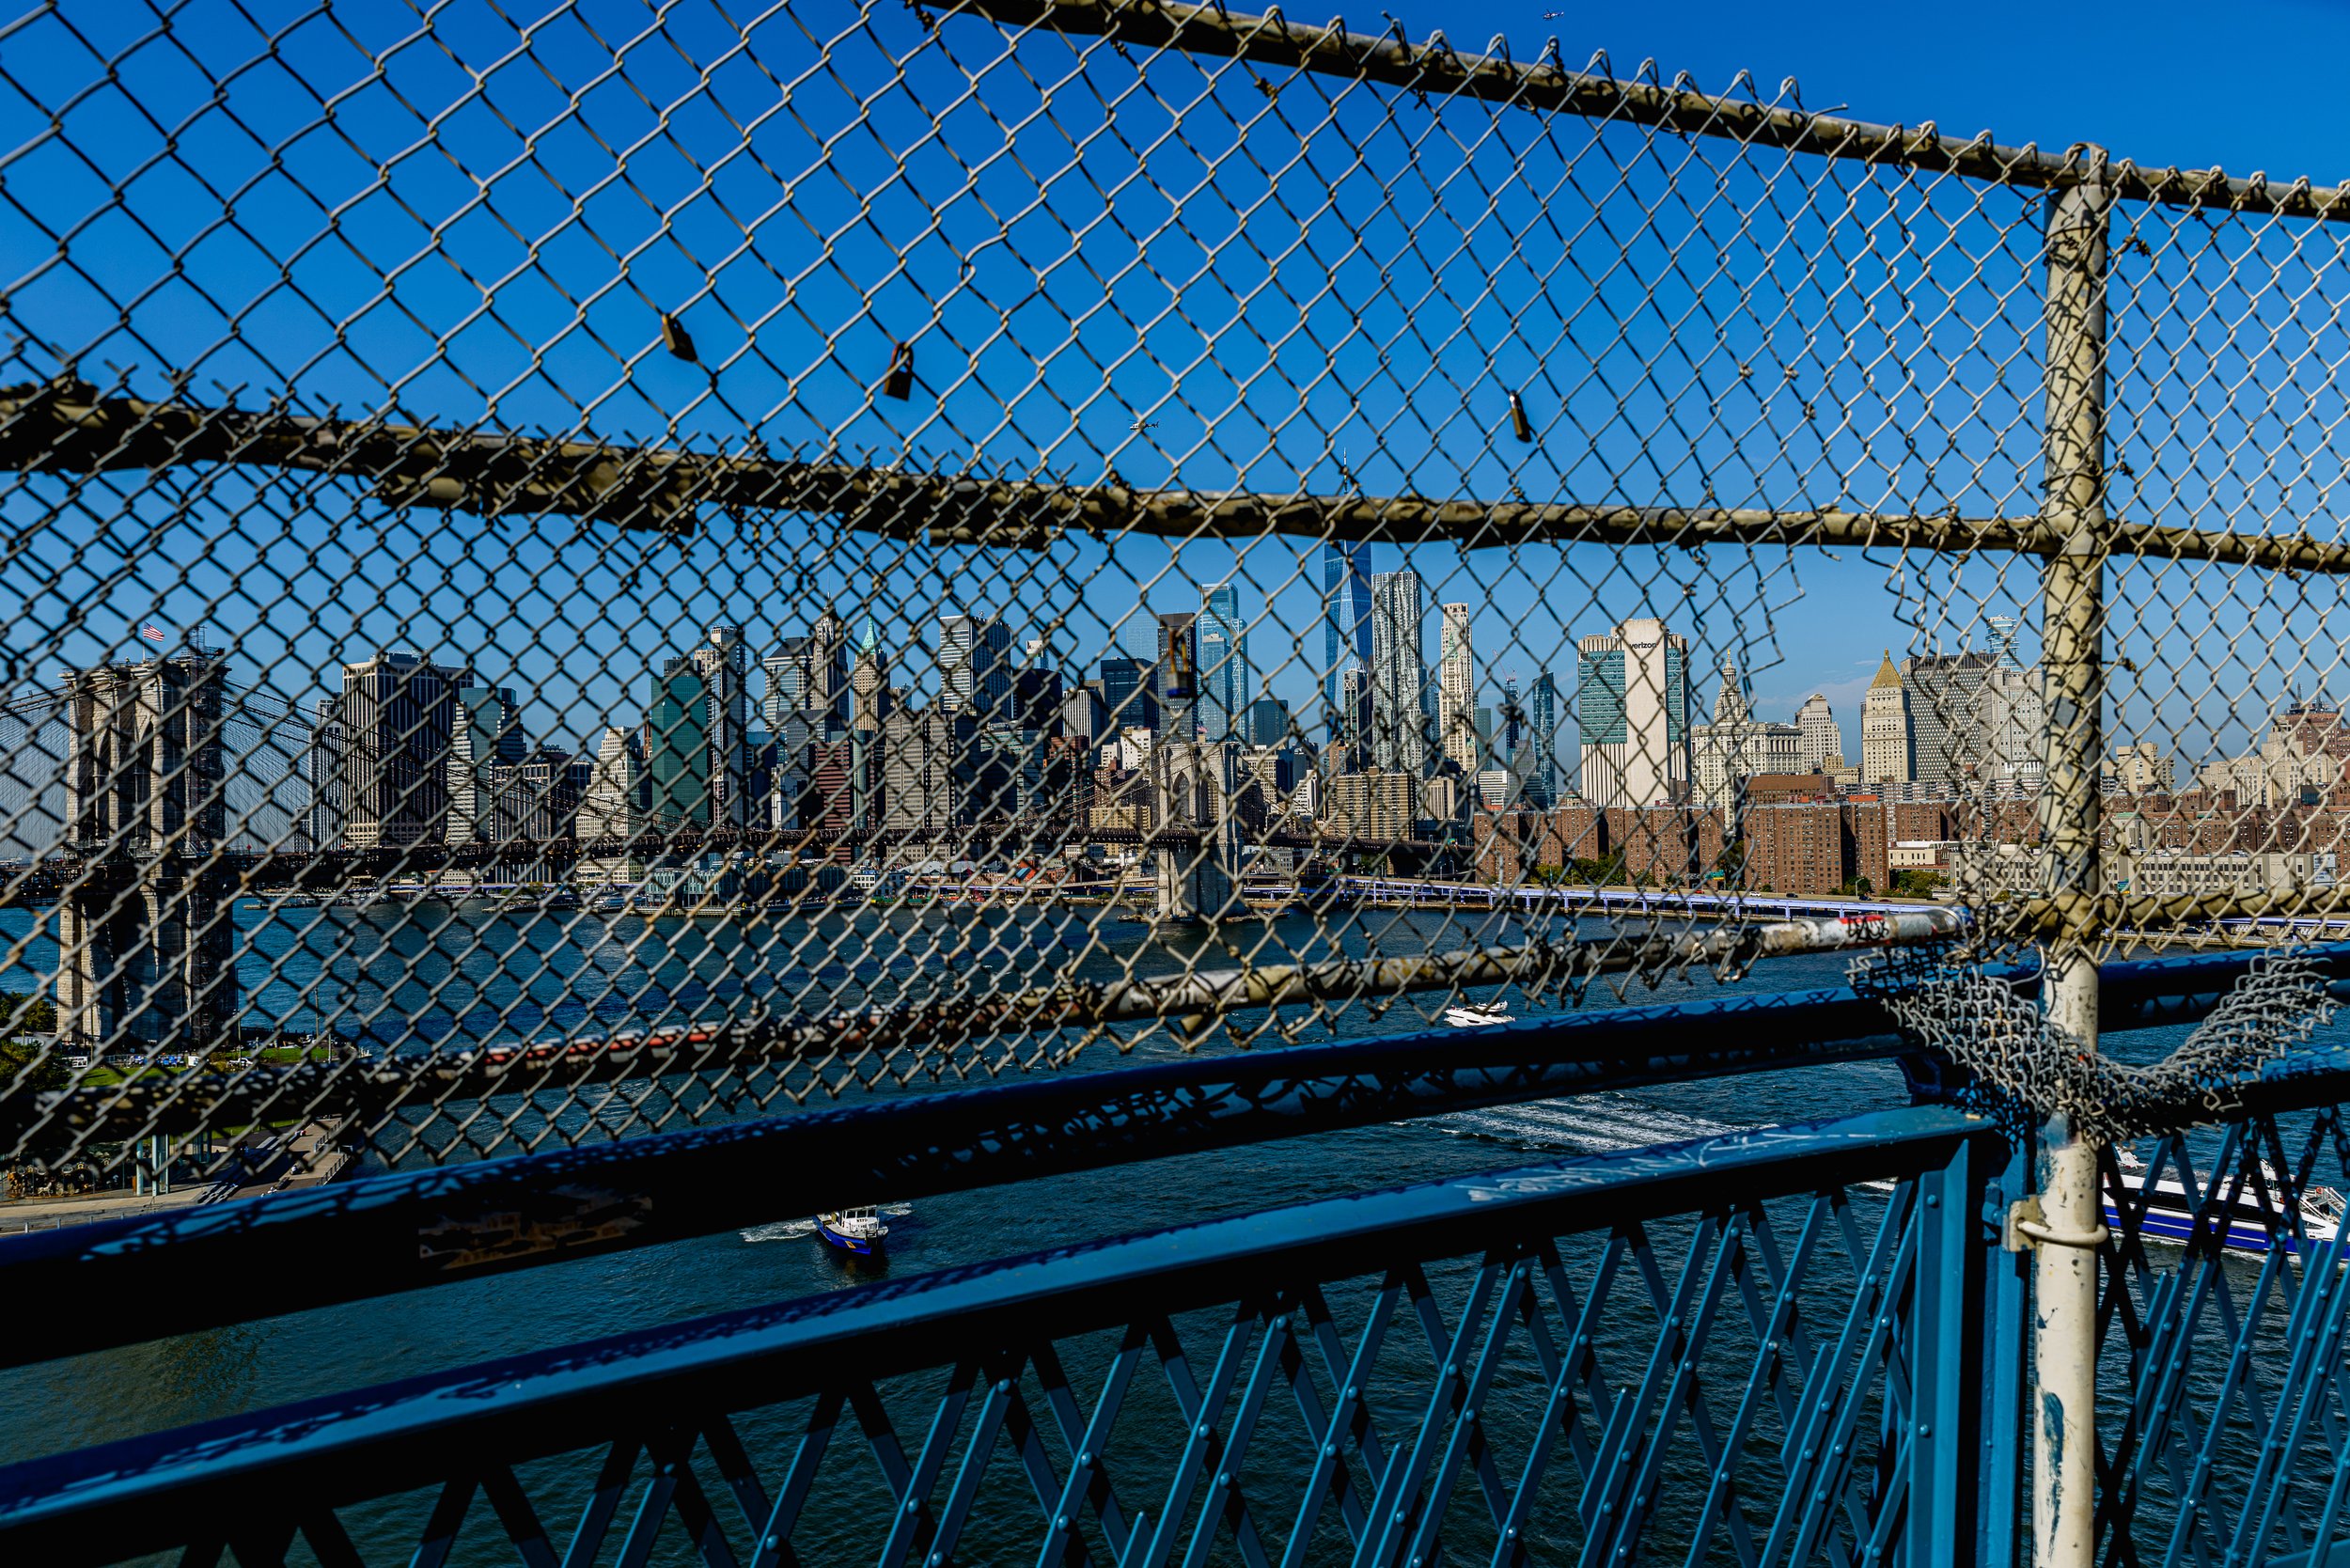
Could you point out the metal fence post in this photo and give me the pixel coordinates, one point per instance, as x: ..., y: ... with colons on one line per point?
x: 2006, y: 1341
x: 2069, y: 1224
x: 1949, y: 1382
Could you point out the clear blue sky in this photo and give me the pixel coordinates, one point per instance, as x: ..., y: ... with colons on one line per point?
x: 2160, y: 82
x: 1342, y: 296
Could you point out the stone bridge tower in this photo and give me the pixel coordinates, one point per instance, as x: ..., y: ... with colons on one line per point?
x: 146, y: 955
x: 1192, y: 788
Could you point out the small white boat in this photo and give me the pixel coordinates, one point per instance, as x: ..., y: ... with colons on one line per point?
x: 859, y: 1230
x: 2170, y: 1212
x: 1468, y: 1015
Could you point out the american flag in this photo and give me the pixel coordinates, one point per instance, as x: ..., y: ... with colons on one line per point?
x: 153, y: 633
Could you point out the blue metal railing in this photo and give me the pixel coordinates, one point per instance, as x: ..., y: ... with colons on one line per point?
x: 1786, y: 1345
x: 2228, y: 1443
x: 1842, y: 1386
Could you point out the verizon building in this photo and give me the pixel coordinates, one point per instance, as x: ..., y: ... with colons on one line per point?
x: 1631, y: 703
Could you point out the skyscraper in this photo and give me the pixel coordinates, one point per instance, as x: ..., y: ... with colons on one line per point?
x: 1224, y: 679
x: 1035, y: 699
x: 489, y: 733
x: 1352, y: 750
x: 398, y: 720
x: 1631, y: 703
x: 1456, y: 690
x: 2014, y: 726
x: 1175, y: 677
x: 2001, y: 631
x: 536, y: 798
x: 613, y: 804
x: 724, y: 665
x: 974, y: 665
x: 1398, y: 674
x: 1126, y: 696
x: 1816, y: 722
x: 1886, y: 752
x: 870, y: 700
x: 930, y: 770
x: 1736, y: 746
x: 782, y: 669
x: 868, y: 685
x: 329, y: 769
x: 809, y: 674
x: 1950, y: 720
x: 1346, y: 616
x: 1083, y: 713
x: 1537, y: 766
x: 676, y: 747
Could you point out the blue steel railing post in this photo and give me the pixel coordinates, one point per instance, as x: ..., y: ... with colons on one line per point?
x: 2005, y: 1341
x: 2067, y: 1231
x: 1948, y: 1357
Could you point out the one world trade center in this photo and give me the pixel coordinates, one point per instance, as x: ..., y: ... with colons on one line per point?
x: 1346, y: 616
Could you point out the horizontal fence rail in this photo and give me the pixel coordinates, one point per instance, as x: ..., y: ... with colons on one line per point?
x: 71, y: 430
x: 1547, y: 85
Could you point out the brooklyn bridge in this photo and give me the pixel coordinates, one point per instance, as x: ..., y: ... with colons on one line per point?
x: 165, y: 792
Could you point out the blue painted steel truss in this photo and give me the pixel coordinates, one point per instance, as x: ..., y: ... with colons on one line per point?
x: 2227, y: 1307
x: 1750, y: 1348
x: 1794, y: 1345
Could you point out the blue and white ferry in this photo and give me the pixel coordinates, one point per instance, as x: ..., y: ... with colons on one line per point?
x: 859, y: 1230
x: 2170, y: 1212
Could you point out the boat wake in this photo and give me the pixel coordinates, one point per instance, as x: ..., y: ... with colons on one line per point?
x: 794, y: 1230
x: 1592, y: 1125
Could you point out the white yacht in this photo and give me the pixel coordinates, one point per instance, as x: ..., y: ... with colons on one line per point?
x: 2170, y: 1212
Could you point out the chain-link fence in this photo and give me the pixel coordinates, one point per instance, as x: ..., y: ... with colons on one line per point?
x: 582, y: 571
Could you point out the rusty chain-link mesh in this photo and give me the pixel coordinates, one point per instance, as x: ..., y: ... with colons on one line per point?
x: 2025, y: 1067
x: 579, y: 571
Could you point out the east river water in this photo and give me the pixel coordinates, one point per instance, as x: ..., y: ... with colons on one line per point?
x: 438, y: 975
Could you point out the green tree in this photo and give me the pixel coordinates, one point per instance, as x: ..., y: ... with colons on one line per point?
x: 27, y: 1014
x: 1604, y: 871
x: 28, y: 1066
x: 1916, y: 884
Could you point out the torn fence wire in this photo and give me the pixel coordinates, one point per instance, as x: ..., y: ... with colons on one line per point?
x: 1986, y: 1025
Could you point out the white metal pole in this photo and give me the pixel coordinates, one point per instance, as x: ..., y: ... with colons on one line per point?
x: 2069, y: 1228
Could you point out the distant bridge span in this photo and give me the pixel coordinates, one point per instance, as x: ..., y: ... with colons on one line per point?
x: 48, y: 880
